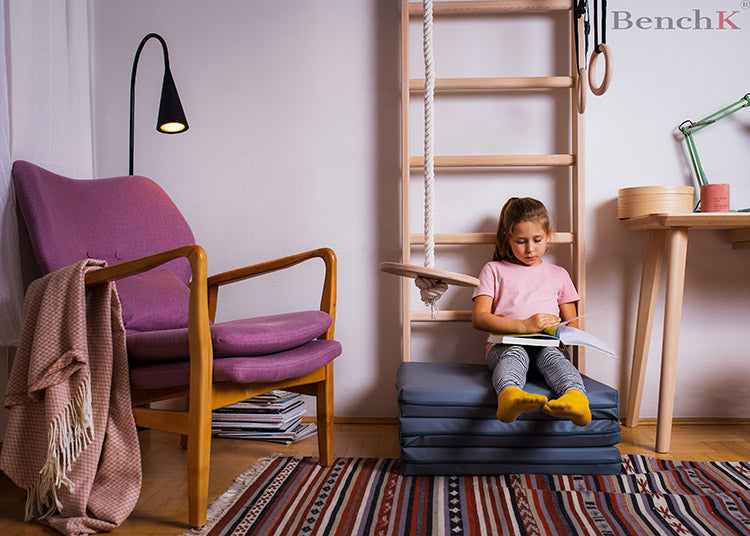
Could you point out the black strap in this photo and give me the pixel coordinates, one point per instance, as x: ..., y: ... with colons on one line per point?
x: 581, y: 9
x: 603, y: 26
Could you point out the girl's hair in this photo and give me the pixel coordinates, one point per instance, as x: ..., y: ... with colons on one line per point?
x: 515, y: 211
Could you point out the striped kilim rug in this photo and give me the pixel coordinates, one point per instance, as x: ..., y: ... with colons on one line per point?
x: 289, y: 496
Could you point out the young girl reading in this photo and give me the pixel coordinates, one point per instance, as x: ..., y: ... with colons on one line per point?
x: 520, y: 293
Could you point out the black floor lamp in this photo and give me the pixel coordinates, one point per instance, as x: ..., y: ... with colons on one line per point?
x: 171, y: 118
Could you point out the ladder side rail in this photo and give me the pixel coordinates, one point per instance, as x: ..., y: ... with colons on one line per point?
x: 405, y: 178
x: 577, y: 189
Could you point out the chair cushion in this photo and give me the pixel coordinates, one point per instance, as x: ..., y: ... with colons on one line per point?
x: 271, y: 368
x: 258, y: 336
x: 153, y: 301
x: 268, y: 334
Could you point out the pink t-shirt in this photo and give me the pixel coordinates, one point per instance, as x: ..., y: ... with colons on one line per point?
x: 519, y: 291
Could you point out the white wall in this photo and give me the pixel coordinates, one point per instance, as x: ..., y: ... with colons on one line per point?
x: 293, y: 144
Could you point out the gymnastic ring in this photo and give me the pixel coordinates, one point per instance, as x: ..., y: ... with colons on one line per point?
x: 582, y: 91
x: 608, y: 68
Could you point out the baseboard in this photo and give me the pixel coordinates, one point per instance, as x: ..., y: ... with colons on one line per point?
x: 366, y: 420
x: 647, y: 421
x: 699, y: 421
x: 391, y: 421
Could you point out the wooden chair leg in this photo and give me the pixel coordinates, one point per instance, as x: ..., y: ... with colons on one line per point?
x: 184, y: 437
x: 324, y: 399
x: 198, y: 466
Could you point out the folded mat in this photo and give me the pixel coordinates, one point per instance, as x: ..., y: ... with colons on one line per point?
x: 502, y: 460
x: 447, y: 426
x: 465, y: 391
x: 453, y: 432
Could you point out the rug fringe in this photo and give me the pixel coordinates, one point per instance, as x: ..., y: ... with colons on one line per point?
x: 219, y: 507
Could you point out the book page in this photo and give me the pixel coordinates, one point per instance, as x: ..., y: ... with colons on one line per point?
x: 576, y: 337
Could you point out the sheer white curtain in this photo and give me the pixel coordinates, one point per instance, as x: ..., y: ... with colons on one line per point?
x: 45, y: 118
x: 10, y: 276
x: 50, y: 84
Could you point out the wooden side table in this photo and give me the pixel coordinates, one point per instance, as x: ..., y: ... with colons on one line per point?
x: 671, y: 229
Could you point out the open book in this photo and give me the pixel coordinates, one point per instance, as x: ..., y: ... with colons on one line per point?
x: 554, y: 336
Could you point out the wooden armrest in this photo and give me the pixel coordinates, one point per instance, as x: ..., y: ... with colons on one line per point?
x: 142, y: 264
x: 328, y: 297
x: 253, y: 270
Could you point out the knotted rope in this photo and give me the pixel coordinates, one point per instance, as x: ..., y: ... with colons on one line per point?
x: 430, y: 289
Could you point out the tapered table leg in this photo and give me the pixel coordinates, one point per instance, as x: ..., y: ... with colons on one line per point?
x: 653, y: 256
x: 678, y: 239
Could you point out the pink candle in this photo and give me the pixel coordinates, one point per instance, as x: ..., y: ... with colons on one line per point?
x: 715, y: 198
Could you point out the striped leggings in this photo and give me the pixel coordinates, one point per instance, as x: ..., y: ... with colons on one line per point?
x: 510, y: 365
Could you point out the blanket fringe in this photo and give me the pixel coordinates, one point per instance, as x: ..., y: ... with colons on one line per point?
x: 227, y: 499
x: 70, y: 433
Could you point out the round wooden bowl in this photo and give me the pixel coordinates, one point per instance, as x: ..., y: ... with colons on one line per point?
x: 640, y: 200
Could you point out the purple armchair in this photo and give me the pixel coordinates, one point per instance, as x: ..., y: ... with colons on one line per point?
x: 175, y: 349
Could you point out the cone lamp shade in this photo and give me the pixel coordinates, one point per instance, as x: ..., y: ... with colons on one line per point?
x: 171, y: 115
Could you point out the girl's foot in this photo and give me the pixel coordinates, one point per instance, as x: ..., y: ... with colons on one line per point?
x: 512, y: 401
x: 571, y: 405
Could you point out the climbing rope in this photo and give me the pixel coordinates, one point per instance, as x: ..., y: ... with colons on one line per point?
x: 430, y: 289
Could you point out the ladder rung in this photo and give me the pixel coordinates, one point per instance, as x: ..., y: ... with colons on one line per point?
x: 531, y: 82
x: 512, y: 160
x: 479, y: 238
x: 455, y: 238
x: 492, y: 7
x: 442, y: 316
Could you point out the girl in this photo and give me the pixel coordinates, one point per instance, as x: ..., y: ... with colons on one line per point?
x: 520, y: 293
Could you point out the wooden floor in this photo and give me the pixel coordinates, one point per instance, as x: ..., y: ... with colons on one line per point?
x: 162, y: 508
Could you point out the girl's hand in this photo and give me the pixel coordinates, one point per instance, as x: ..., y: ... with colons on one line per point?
x: 539, y: 322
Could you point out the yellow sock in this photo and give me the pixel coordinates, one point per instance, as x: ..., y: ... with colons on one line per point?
x: 512, y: 401
x: 571, y: 405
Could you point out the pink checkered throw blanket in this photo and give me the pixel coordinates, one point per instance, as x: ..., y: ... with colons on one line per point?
x: 71, y: 440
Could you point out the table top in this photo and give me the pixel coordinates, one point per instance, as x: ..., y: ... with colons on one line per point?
x: 692, y: 220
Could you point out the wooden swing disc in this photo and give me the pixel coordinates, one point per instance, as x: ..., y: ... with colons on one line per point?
x: 413, y: 271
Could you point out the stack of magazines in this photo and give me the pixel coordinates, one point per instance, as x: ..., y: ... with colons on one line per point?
x: 274, y: 416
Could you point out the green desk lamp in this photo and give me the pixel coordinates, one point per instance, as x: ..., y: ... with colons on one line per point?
x: 688, y: 128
